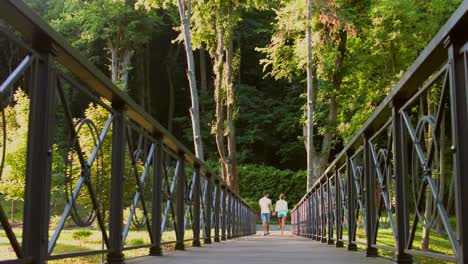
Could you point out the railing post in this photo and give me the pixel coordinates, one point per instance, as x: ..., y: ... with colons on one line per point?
x: 323, y: 237
x: 208, y: 203
x: 229, y: 214
x: 156, y: 220
x: 180, y: 205
x: 196, y: 208
x: 310, y: 215
x: 234, y: 217
x: 400, y: 165
x: 459, y: 115
x: 39, y: 159
x: 223, y: 214
x: 371, y: 215
x: 217, y: 211
x: 351, y: 210
x: 339, y: 210
x: 115, y: 254
x: 330, y: 213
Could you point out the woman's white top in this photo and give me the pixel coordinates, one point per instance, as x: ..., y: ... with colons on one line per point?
x: 281, y: 205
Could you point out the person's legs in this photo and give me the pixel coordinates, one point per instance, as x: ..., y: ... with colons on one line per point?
x: 264, y: 224
x: 283, y: 221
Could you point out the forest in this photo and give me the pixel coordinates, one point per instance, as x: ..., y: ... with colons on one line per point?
x: 230, y: 78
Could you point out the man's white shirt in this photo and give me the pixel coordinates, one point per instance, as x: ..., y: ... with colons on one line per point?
x: 265, y: 205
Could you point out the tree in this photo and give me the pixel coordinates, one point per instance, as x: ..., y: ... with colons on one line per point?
x: 185, y: 12
x: 310, y: 99
x: 288, y: 55
x: 123, y: 29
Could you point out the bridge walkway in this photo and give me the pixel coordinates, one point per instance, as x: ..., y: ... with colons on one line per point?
x: 259, y: 249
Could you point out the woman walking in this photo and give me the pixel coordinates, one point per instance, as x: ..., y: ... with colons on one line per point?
x: 281, y: 208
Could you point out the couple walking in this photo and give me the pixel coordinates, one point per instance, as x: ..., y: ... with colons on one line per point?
x: 266, y: 209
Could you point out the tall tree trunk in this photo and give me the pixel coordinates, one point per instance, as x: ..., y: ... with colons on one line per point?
x: 218, y: 59
x: 170, y: 65
x: 239, y: 66
x: 127, y: 59
x: 231, y: 135
x: 170, y: 115
x: 114, y: 62
x: 185, y: 13
x: 203, y: 82
x: 310, y: 95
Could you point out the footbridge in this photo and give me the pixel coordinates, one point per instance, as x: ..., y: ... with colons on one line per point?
x: 141, y: 196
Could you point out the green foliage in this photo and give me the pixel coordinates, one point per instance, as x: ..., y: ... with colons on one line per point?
x: 136, y: 242
x: 255, y: 179
x: 81, y: 235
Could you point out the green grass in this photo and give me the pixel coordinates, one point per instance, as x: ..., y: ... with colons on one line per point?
x: 439, y: 243
x: 66, y: 244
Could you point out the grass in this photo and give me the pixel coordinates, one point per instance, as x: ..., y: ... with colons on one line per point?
x: 66, y: 244
x: 439, y: 243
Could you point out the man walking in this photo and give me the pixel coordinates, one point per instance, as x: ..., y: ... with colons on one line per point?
x: 265, y: 210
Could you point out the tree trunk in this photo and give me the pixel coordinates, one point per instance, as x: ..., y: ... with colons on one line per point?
x: 239, y: 71
x: 321, y: 162
x: 170, y: 116
x: 185, y: 14
x: 219, y: 99
x: 310, y: 105
x: 231, y: 135
x: 170, y: 65
x: 127, y: 59
x: 203, y: 84
x: 114, y: 62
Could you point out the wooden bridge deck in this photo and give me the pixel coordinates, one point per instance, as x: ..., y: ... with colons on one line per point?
x: 260, y: 249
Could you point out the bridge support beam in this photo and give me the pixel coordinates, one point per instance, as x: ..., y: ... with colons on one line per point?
x: 400, y: 164
x: 351, y: 210
x: 339, y: 210
x: 217, y: 211
x: 180, y: 205
x: 196, y: 208
x: 371, y: 215
x: 39, y: 158
x: 229, y: 215
x: 208, y: 204
x: 156, y: 220
x: 458, y: 56
x: 115, y: 255
x: 330, y: 240
x: 223, y: 213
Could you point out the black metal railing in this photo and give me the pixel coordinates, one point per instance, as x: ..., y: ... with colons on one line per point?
x: 116, y: 158
x: 398, y: 185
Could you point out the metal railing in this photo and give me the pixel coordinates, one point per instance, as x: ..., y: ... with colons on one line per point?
x: 124, y: 160
x: 398, y: 185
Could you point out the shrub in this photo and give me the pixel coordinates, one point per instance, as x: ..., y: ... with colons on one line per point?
x: 136, y: 242
x: 81, y: 235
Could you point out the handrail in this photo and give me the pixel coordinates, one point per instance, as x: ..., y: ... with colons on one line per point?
x: 391, y: 169
x: 433, y: 55
x: 31, y: 25
x: 50, y: 66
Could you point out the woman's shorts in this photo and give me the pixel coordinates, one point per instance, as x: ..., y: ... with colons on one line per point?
x: 282, y: 213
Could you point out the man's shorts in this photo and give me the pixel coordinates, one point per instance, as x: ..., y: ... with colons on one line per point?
x: 265, y: 218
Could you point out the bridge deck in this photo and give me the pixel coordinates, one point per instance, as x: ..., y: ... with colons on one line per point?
x: 259, y: 249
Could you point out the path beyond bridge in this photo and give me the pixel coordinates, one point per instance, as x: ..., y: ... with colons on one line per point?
x: 259, y: 249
